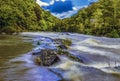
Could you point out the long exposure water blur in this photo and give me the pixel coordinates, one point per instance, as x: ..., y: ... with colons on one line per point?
x: 100, y: 55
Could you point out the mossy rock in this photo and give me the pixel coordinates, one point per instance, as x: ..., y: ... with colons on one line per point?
x: 62, y: 52
x: 75, y: 58
x: 63, y: 43
x: 69, y: 55
x: 46, y: 57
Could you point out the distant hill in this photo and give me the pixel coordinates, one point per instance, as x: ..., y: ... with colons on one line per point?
x: 101, y: 18
x: 24, y: 15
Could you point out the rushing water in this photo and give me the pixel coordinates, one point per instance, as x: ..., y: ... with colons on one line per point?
x: 100, y: 55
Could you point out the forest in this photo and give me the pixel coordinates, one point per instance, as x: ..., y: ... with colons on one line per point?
x: 100, y: 18
x: 24, y: 15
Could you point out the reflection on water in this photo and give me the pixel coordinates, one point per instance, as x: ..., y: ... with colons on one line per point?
x: 11, y: 47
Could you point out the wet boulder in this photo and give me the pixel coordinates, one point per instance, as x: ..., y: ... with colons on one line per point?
x: 63, y: 43
x: 62, y: 47
x: 46, y: 57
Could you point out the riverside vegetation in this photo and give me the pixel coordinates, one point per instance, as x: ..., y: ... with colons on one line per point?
x: 100, y: 18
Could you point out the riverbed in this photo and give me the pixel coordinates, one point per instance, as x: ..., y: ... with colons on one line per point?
x: 100, y: 58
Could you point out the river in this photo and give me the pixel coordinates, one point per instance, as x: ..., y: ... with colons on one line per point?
x: 100, y: 56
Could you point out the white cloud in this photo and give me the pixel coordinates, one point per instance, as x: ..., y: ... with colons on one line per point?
x: 74, y: 8
x: 47, y: 4
x: 57, y: 0
x: 52, y: 2
x: 42, y: 3
x: 92, y: 0
x: 69, y: 13
x: 64, y: 14
x: 63, y: 0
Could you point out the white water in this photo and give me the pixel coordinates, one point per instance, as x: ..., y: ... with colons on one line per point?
x: 100, y: 55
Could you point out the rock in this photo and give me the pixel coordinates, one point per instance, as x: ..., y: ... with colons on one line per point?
x: 58, y: 41
x: 35, y: 53
x: 62, y: 47
x: 75, y: 58
x: 63, y: 43
x: 38, y: 43
x: 46, y: 57
x: 62, y: 52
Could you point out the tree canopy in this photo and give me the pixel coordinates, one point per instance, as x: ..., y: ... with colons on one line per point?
x: 24, y: 15
x: 101, y: 18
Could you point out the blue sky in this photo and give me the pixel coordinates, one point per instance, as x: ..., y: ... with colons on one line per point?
x: 63, y: 8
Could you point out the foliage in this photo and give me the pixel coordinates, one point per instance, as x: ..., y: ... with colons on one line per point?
x: 100, y: 18
x: 24, y: 15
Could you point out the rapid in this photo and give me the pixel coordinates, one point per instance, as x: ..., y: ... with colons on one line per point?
x: 100, y: 59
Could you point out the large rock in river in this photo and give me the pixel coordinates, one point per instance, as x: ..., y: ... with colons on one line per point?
x: 46, y: 57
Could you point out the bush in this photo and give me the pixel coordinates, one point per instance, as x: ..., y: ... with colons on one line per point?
x: 8, y: 30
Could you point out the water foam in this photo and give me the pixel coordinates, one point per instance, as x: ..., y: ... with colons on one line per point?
x: 73, y: 72
x: 94, y: 42
x: 91, y: 50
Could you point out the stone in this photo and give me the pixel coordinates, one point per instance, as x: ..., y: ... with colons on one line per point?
x: 62, y: 47
x: 63, y: 43
x: 46, y: 57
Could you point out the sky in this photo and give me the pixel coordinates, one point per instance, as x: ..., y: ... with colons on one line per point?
x: 63, y: 8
